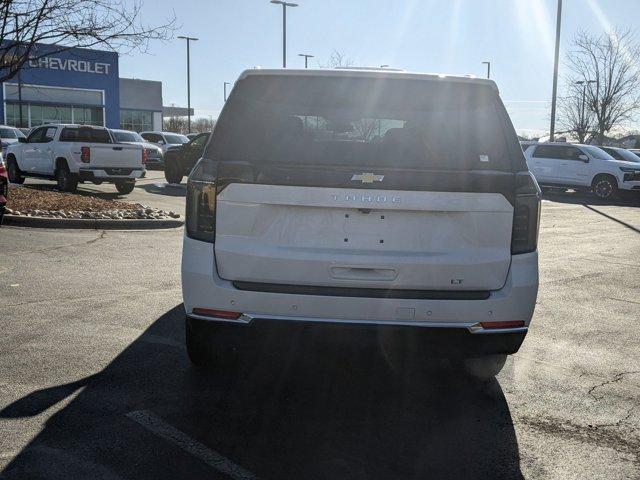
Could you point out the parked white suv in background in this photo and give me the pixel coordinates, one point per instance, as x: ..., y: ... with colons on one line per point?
x: 388, y: 201
x: 582, y: 167
x: 165, y: 140
x: 76, y: 153
x: 8, y: 135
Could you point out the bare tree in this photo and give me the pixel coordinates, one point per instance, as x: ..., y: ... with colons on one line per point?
x: 338, y: 59
x: 175, y: 124
x: 202, y: 124
x: 365, y: 128
x: 108, y: 24
x: 575, y: 117
x: 610, y: 60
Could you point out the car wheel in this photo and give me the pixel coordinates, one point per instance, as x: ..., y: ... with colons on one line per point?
x: 125, y: 186
x: 67, y: 182
x: 481, y: 368
x: 172, y: 173
x: 15, y: 175
x: 605, y: 186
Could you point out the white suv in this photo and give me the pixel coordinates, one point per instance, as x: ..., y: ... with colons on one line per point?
x: 389, y: 201
x: 583, y: 166
x: 165, y: 140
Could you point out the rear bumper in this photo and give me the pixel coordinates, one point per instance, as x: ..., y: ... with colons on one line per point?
x: 203, y: 288
x: 106, y: 174
x: 432, y: 342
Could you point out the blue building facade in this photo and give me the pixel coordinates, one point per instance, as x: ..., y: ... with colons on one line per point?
x: 72, y: 86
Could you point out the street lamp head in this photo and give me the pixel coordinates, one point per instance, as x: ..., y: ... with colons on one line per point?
x: 286, y: 4
x: 305, y: 55
x: 194, y: 39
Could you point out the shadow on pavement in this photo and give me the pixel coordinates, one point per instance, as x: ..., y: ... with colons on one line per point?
x: 313, y: 409
x: 163, y: 188
x: 610, y: 217
x: 624, y: 198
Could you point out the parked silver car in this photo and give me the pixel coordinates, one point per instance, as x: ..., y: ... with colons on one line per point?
x: 155, y: 155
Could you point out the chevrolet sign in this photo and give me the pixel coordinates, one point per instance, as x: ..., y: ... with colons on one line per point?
x: 367, y: 178
x: 84, y: 66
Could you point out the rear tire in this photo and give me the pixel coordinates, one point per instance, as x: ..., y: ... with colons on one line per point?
x: 173, y: 173
x: 67, y: 181
x: 480, y: 368
x: 125, y: 186
x: 13, y: 171
x: 605, y: 187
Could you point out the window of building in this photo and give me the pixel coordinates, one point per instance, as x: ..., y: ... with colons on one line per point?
x: 136, y: 120
x: 12, y: 112
x: 88, y: 116
x: 34, y: 114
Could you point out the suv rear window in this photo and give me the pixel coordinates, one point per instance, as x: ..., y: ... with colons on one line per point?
x: 394, y: 123
x: 89, y: 135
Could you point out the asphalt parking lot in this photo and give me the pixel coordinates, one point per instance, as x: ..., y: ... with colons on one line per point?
x: 95, y: 382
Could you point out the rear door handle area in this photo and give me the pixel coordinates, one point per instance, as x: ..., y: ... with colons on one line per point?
x: 361, y: 272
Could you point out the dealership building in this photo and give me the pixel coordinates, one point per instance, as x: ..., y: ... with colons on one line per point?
x: 80, y: 86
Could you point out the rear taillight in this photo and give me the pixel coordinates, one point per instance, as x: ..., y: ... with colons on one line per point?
x: 145, y: 155
x: 502, y: 324
x: 209, y: 312
x: 526, y: 214
x: 201, y: 202
x: 85, y: 154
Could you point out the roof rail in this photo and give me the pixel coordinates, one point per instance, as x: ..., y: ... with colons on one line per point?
x: 371, y: 69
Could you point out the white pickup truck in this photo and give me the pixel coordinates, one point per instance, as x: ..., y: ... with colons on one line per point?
x: 76, y: 153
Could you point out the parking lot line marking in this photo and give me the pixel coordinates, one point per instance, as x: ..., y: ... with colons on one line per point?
x: 156, y: 425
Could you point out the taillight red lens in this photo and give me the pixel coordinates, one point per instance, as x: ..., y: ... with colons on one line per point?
x: 209, y: 312
x: 201, y: 202
x: 526, y: 214
x: 145, y: 156
x: 85, y: 154
x: 505, y: 324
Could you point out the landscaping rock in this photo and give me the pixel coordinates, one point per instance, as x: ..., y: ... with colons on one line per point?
x: 47, y: 202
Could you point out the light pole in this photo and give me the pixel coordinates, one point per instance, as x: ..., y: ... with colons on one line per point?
x: 306, y: 57
x: 284, y: 27
x: 488, y: 64
x: 188, y: 39
x: 552, y: 127
x: 225, y: 90
x: 19, y: 77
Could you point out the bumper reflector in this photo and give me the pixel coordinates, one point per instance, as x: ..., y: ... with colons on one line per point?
x: 506, y: 324
x: 208, y: 312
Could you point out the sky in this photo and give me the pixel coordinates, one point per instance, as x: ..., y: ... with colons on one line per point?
x: 438, y: 36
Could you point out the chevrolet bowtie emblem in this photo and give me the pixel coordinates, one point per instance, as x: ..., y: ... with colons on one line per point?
x: 367, y: 178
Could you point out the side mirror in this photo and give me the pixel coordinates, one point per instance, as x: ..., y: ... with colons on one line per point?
x: 22, y: 139
x: 160, y: 142
x: 584, y: 158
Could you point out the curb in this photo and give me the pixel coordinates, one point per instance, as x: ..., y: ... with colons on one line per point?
x: 91, y: 223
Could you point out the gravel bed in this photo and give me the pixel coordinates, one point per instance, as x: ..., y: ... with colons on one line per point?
x: 35, y: 202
